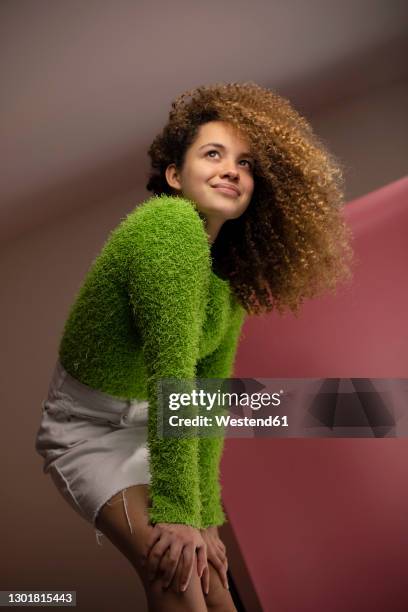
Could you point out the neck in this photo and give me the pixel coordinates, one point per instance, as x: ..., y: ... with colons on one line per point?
x: 212, y: 227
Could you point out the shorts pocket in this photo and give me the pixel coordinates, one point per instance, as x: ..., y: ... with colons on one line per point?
x: 63, y: 428
x: 64, y: 407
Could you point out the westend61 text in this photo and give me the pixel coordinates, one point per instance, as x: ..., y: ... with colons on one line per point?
x: 228, y: 421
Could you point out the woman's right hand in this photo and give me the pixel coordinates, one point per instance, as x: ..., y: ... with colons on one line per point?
x: 171, y: 549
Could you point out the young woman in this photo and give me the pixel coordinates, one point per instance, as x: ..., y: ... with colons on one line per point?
x: 245, y: 217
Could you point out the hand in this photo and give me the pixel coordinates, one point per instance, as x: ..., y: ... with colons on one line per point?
x: 216, y: 554
x: 180, y: 542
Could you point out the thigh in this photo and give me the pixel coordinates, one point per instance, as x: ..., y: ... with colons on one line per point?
x: 125, y: 522
x: 218, y: 598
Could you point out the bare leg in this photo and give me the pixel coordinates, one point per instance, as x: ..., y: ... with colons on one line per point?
x: 218, y: 598
x: 124, y: 521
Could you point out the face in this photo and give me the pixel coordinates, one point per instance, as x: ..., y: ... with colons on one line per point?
x: 217, y: 173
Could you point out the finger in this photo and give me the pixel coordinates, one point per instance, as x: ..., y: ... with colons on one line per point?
x: 171, y: 561
x: 201, y: 560
x: 219, y: 553
x: 179, y: 571
x: 154, y: 536
x: 222, y: 571
x: 155, y: 557
x: 188, y: 564
x: 226, y: 562
x: 205, y: 580
x: 222, y: 556
x: 214, y: 553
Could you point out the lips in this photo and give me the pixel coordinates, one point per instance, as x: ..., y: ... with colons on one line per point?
x: 227, y: 188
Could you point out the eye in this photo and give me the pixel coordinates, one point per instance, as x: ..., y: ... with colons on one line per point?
x: 212, y: 151
x: 250, y: 164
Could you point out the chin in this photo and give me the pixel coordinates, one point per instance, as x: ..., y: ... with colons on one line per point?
x: 224, y: 207
x: 226, y: 212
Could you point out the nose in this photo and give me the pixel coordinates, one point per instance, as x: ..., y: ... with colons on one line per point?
x: 230, y: 171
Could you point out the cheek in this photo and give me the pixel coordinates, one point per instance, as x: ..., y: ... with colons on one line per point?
x: 250, y: 190
x: 247, y: 201
x: 248, y: 182
x: 198, y: 177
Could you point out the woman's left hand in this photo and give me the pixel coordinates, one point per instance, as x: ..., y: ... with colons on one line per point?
x: 216, y: 555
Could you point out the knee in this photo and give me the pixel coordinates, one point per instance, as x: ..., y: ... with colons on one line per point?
x: 191, y: 600
x: 219, y: 598
x: 172, y: 599
x: 220, y: 602
x: 223, y: 604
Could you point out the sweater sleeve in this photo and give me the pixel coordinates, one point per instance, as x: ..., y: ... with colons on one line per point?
x: 168, y: 286
x: 218, y: 364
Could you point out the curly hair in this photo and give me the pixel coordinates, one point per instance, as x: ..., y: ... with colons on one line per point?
x: 292, y: 242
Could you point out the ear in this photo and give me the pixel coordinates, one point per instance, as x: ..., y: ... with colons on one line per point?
x: 172, y: 177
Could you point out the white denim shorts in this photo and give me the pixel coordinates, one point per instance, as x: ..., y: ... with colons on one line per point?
x: 93, y: 444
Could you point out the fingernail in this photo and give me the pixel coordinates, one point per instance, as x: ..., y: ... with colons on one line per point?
x: 184, y: 586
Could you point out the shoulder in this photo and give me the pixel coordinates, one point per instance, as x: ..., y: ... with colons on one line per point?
x: 167, y: 212
x: 165, y: 231
x: 163, y: 222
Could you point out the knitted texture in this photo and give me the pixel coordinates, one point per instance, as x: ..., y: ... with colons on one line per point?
x: 150, y: 308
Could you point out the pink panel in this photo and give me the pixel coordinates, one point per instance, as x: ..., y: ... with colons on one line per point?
x: 322, y: 524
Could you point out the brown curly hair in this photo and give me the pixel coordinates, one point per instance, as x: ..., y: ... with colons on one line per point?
x: 291, y: 243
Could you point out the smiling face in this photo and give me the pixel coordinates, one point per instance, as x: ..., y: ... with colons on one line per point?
x: 217, y: 173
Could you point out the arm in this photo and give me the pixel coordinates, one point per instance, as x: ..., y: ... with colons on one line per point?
x: 219, y: 364
x: 168, y: 285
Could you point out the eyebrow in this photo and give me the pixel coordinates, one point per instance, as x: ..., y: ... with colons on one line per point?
x: 221, y: 146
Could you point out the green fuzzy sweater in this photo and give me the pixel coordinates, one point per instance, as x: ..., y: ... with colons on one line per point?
x: 151, y: 307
